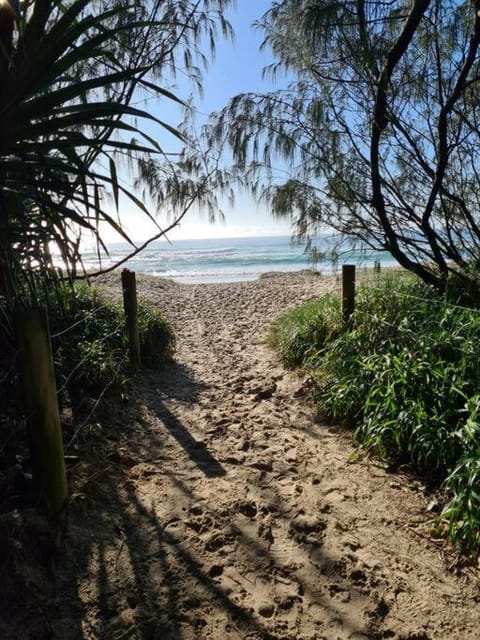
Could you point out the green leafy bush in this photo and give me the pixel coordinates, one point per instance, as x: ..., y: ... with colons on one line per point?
x: 304, y: 331
x: 90, y: 342
x: 88, y: 338
x: 157, y: 337
x: 405, y: 376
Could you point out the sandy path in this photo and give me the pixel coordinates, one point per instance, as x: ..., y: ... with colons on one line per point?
x: 224, y: 511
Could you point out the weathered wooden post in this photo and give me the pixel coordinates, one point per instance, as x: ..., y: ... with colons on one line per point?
x: 41, y: 406
x: 348, y: 292
x: 130, y: 305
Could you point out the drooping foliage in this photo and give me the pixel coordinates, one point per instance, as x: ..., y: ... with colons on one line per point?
x: 376, y: 123
x: 76, y: 81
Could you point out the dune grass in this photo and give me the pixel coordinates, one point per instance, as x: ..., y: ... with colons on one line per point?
x: 90, y: 341
x: 405, y: 377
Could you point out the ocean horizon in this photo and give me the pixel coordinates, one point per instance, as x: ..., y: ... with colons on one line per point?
x: 225, y: 259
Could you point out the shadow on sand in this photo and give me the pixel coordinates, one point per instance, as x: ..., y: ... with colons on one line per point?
x: 129, y: 565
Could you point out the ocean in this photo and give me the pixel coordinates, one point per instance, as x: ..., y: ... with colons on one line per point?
x: 224, y: 259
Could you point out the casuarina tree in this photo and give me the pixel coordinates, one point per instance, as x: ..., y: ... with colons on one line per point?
x: 374, y: 132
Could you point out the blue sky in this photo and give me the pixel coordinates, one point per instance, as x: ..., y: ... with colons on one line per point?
x: 237, y: 68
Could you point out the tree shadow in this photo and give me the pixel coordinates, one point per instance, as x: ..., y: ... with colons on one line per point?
x: 174, y: 381
x: 131, y: 562
x: 177, y: 383
x: 196, y: 450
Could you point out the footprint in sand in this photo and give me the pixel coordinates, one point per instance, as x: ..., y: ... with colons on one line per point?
x: 307, y: 529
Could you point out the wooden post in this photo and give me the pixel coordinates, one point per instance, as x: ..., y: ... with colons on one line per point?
x: 41, y: 406
x: 130, y: 305
x: 348, y: 292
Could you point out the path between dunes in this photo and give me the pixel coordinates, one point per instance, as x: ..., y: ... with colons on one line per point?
x: 226, y: 511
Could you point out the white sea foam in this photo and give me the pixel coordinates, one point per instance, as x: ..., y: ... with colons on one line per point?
x: 220, y: 260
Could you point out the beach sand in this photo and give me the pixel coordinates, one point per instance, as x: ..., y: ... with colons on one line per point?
x: 223, y: 509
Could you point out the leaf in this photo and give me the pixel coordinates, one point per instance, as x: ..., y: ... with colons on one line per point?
x: 114, y: 181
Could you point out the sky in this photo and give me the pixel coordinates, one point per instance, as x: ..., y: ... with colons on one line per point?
x: 237, y: 68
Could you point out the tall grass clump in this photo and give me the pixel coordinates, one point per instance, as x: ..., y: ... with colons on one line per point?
x: 90, y: 342
x: 305, y: 331
x: 157, y: 336
x: 405, y: 376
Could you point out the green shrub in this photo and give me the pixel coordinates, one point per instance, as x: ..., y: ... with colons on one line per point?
x: 303, y: 332
x: 405, y: 376
x: 157, y: 337
x: 461, y: 516
x: 89, y: 338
